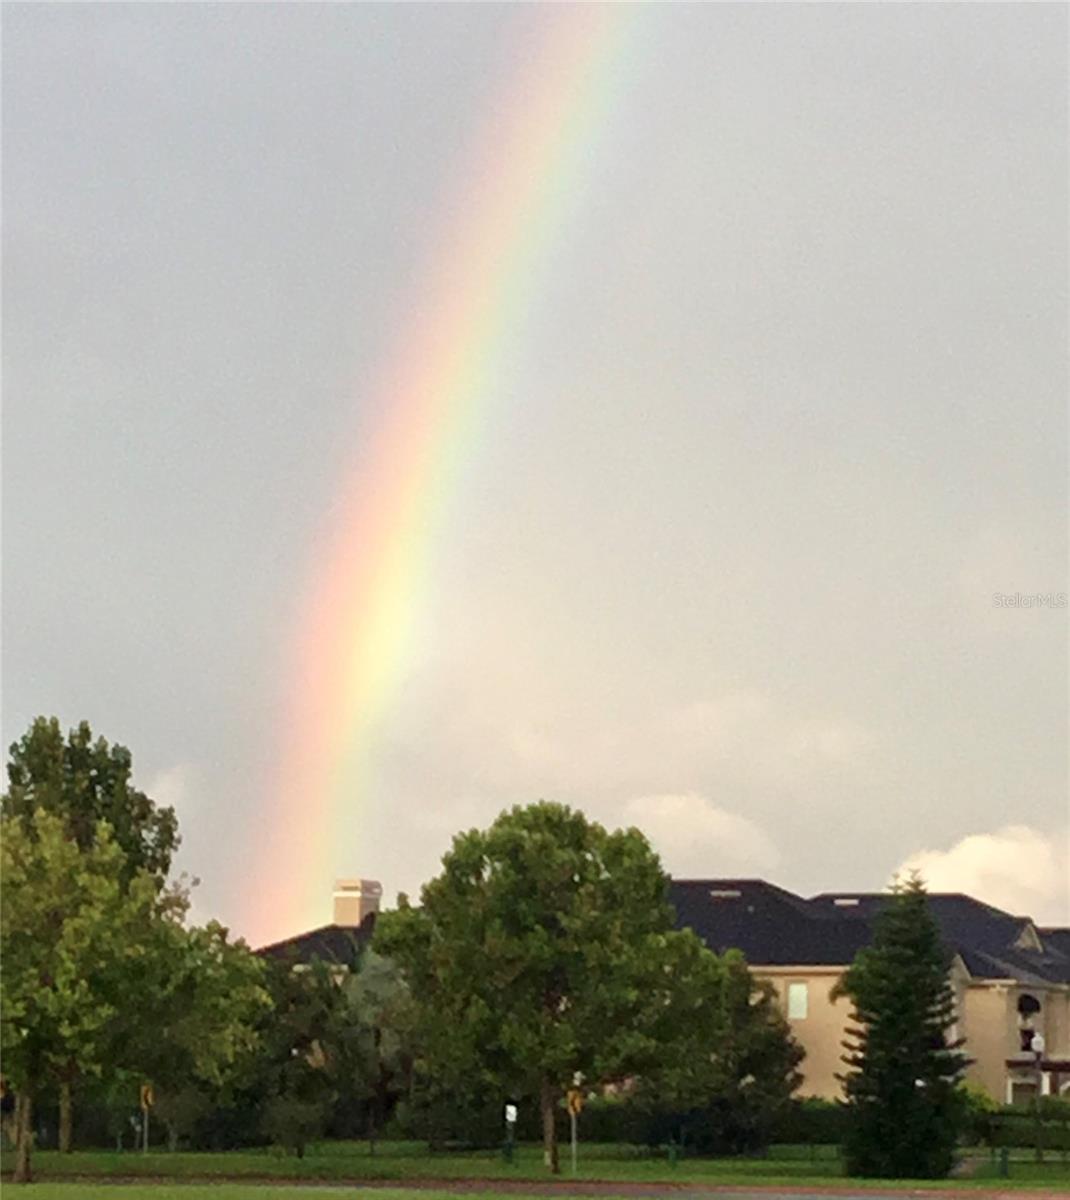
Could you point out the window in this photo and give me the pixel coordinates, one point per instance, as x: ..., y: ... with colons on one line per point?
x: 798, y: 1001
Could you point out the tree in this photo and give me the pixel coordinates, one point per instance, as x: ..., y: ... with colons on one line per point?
x: 202, y: 997
x: 296, y: 1073
x: 371, y: 1039
x: 545, y: 948
x: 905, y: 1108
x: 85, y: 782
x: 731, y: 1064
x: 71, y: 937
x: 755, y: 1064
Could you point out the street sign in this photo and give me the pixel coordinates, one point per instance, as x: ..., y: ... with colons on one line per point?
x: 148, y: 1097
x: 575, y: 1101
x: 510, y: 1114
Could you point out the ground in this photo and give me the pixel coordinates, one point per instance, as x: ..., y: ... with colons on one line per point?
x: 604, y: 1170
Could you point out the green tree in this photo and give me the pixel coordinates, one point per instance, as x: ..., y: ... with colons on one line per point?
x: 731, y: 1064
x: 905, y: 1107
x: 370, y: 1041
x: 202, y: 998
x: 71, y: 936
x: 545, y: 948
x: 85, y: 781
x: 297, y: 1073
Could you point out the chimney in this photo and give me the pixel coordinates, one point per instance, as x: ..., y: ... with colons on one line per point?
x: 354, y: 899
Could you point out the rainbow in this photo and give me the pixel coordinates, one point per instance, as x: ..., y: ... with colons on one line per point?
x: 357, y: 628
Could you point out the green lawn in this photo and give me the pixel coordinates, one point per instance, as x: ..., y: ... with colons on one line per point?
x: 345, y: 1162
x: 227, y: 1191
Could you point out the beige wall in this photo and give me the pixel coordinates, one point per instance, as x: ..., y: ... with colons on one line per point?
x: 821, y: 1031
x: 987, y: 1019
x: 990, y: 1026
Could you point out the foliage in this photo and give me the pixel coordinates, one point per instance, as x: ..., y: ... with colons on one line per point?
x: 374, y: 1023
x: 546, y: 948
x: 73, y: 939
x: 198, y: 1028
x: 906, y: 1110
x: 733, y: 1069
x: 812, y: 1121
x: 292, y: 1123
x: 86, y: 782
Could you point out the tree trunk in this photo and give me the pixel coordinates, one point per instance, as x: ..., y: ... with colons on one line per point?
x: 65, y: 1115
x: 24, y: 1135
x: 547, y: 1096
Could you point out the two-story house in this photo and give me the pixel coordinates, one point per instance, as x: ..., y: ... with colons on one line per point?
x: 1011, y: 977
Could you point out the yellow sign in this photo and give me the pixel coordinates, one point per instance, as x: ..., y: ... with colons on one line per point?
x: 575, y: 1101
x: 148, y: 1097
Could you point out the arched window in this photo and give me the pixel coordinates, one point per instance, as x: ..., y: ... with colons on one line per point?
x: 1028, y: 1008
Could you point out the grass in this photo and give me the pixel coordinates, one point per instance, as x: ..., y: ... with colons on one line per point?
x: 228, y: 1191
x: 350, y: 1162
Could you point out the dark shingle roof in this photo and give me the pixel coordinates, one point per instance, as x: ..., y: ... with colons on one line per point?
x: 770, y: 925
x: 339, y: 944
x: 774, y: 927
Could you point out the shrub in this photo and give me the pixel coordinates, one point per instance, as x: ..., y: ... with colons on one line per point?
x: 292, y: 1123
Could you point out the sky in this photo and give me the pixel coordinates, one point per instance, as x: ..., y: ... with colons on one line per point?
x: 758, y: 541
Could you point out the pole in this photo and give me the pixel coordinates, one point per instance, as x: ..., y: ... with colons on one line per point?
x: 574, y: 1123
x: 1039, y: 1127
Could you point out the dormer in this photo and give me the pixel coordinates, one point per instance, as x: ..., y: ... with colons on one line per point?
x: 1028, y: 938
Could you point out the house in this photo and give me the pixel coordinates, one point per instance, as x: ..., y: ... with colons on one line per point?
x: 1011, y: 978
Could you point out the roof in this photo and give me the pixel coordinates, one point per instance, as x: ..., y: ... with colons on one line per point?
x: 774, y: 927
x: 768, y: 924
x: 337, y: 944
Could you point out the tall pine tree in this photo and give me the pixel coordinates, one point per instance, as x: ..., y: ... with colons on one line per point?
x: 905, y: 1106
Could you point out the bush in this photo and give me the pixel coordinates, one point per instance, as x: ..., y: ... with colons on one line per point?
x: 292, y: 1123
x: 812, y: 1121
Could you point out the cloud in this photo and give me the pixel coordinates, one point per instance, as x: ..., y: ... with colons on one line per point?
x: 1017, y: 868
x: 696, y: 839
x: 171, y: 787
x: 177, y: 787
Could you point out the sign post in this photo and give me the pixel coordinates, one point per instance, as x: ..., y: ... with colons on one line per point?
x: 148, y: 1099
x: 575, y: 1107
x: 510, y: 1131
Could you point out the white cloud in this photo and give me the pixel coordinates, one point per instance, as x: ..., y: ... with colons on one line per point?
x: 176, y: 787
x: 170, y: 787
x: 697, y: 839
x: 1017, y: 868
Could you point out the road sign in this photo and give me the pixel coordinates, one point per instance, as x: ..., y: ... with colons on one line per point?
x: 575, y: 1101
x: 148, y: 1097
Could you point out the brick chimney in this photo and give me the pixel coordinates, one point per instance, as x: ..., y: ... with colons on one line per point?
x: 354, y: 899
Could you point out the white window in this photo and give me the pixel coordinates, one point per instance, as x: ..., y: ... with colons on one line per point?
x: 798, y: 1001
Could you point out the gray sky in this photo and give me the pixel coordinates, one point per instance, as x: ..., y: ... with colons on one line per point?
x: 787, y: 411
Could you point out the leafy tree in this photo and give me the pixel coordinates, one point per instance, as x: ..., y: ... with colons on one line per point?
x: 755, y: 1063
x: 296, y: 1077
x: 731, y: 1066
x: 72, y: 935
x: 84, y: 782
x: 87, y: 784
x: 372, y: 1037
x: 904, y: 1103
x: 544, y: 948
x: 202, y: 997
